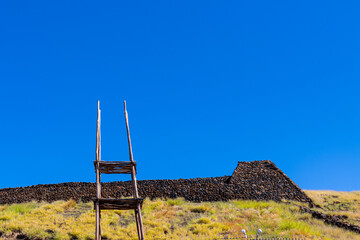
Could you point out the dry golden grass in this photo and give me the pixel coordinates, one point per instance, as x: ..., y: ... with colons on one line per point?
x: 168, y: 219
x: 338, y: 203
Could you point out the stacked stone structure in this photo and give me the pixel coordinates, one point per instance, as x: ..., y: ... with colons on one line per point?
x: 256, y: 180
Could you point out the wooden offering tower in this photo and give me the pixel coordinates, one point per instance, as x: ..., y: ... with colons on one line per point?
x: 116, y: 167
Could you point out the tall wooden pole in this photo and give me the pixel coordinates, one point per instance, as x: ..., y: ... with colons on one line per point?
x: 128, y: 134
x: 133, y: 178
x: 98, y: 185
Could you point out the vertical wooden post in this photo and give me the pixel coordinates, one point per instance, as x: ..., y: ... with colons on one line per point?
x: 133, y: 178
x: 137, y: 222
x: 98, y: 185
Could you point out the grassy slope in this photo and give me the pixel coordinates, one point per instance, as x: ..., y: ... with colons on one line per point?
x: 338, y: 203
x: 171, y: 218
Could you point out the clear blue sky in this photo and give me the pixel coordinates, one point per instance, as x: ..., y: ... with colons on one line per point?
x: 208, y: 83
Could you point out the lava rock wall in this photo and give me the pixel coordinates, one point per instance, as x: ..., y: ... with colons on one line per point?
x: 257, y: 180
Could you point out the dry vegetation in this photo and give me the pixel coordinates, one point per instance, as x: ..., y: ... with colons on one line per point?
x: 338, y: 203
x: 168, y: 219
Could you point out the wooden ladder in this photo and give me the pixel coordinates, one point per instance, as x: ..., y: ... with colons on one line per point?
x: 116, y: 167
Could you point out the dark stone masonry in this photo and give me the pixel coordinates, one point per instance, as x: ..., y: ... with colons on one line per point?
x: 256, y: 180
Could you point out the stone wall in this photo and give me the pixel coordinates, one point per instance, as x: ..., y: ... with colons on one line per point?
x: 257, y: 180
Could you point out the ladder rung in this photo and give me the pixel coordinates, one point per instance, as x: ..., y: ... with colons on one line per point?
x: 115, y: 167
x: 118, y: 204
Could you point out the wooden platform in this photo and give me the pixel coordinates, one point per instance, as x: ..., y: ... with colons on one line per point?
x: 118, y: 204
x: 115, y: 167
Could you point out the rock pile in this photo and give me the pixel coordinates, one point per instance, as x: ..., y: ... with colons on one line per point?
x: 262, y: 179
x: 257, y: 180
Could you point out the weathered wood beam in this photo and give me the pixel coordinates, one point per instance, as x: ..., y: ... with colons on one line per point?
x: 133, y: 179
x: 98, y: 177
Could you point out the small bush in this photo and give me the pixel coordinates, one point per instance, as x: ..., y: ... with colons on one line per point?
x: 175, y: 202
x: 203, y: 221
x: 199, y: 209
